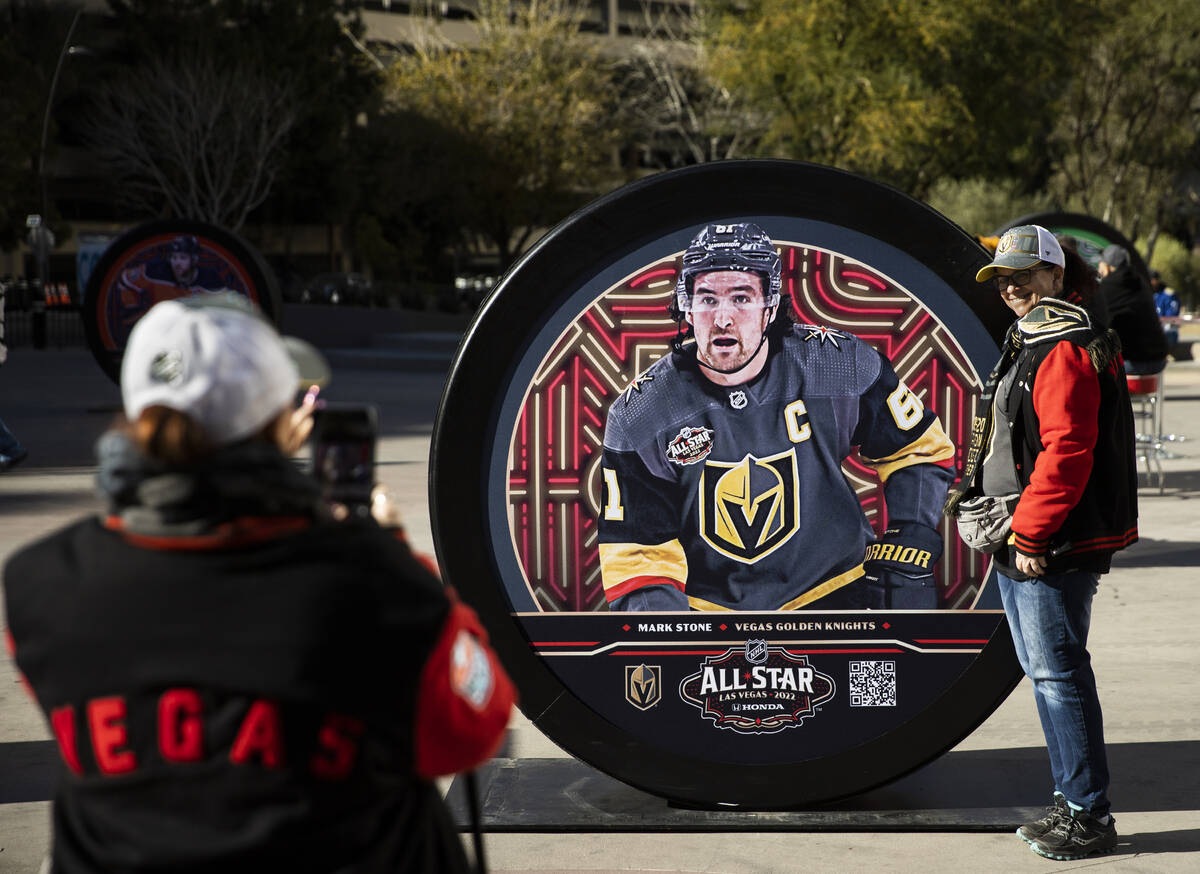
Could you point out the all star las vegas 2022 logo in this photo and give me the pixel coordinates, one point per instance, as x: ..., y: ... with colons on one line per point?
x: 757, y: 689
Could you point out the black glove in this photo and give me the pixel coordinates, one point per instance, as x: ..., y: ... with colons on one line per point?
x: 899, y: 568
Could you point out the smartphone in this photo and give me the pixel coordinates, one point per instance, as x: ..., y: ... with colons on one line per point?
x: 343, y: 454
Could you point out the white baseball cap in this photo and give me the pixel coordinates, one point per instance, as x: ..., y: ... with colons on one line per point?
x: 213, y: 357
x: 1021, y: 247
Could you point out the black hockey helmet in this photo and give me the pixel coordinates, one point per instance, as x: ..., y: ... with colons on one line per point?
x: 741, y: 246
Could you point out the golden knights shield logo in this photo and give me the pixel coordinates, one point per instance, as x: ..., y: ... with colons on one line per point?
x: 643, y: 685
x: 750, y: 508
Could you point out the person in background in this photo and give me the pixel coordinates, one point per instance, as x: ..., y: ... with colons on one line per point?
x: 1131, y: 312
x: 1083, y: 282
x: 1167, y: 306
x: 237, y: 680
x: 12, y: 452
x: 1052, y: 475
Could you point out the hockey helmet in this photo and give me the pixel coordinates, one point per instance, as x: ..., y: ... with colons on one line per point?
x: 741, y: 246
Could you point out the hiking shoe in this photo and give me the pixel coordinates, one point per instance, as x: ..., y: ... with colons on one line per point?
x: 1031, y: 831
x: 1075, y: 837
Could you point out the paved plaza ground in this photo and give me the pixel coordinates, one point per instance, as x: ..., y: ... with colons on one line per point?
x: 1146, y: 619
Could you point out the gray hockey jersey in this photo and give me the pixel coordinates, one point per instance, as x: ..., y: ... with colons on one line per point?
x: 735, y: 496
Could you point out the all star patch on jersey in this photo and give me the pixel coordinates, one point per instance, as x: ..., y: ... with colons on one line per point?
x: 690, y: 445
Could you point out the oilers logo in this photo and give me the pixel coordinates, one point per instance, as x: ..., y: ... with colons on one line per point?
x: 749, y: 508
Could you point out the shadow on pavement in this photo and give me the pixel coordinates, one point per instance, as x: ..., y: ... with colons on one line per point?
x: 1148, y: 552
x: 971, y: 790
x: 1186, y: 840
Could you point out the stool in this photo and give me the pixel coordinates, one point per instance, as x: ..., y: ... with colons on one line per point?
x: 1146, y: 395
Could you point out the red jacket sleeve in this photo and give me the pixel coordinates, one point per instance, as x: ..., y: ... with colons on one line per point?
x: 464, y: 700
x: 1066, y: 397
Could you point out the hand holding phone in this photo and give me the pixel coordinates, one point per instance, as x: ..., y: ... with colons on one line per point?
x: 344, y: 455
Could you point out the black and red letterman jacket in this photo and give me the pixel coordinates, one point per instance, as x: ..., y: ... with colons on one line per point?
x: 1062, y: 397
x: 275, y: 694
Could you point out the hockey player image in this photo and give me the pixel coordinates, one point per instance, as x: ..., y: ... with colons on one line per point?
x: 723, y: 487
x: 176, y: 273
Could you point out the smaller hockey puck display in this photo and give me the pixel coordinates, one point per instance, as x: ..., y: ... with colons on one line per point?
x: 164, y: 260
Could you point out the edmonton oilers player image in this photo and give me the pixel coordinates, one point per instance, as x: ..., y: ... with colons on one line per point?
x: 723, y: 487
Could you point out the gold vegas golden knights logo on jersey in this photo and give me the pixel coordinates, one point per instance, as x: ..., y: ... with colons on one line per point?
x: 750, y: 508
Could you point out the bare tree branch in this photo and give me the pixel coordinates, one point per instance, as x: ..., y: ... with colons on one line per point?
x: 192, y: 135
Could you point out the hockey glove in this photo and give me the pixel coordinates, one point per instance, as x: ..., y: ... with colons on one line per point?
x: 899, y: 567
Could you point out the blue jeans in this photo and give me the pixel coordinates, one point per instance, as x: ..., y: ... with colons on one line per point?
x: 1049, y: 619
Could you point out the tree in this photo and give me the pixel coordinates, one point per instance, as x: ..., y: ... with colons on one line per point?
x: 410, y: 209
x: 1127, y: 133
x: 1011, y: 63
x: 529, y: 98
x: 192, y: 134
x: 309, y: 47
x: 676, y: 113
x: 843, y: 83
x: 909, y: 92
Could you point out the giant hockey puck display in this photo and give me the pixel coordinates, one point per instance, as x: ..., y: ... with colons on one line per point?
x: 164, y: 260
x: 758, y: 696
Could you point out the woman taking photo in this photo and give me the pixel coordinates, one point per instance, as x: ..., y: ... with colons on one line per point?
x: 236, y: 680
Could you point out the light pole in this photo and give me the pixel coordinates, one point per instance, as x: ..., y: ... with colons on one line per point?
x: 39, y: 230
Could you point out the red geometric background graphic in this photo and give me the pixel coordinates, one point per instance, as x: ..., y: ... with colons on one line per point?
x: 553, y: 468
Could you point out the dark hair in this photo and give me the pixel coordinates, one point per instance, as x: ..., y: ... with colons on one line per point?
x: 1078, y: 275
x: 169, y: 436
x: 175, y: 439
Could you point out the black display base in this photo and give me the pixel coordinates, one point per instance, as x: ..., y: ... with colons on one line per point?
x: 972, y: 791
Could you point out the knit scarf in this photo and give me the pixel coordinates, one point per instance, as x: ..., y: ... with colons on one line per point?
x: 246, y: 479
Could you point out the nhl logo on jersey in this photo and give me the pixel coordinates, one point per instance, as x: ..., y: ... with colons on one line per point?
x: 690, y: 445
x: 749, y: 508
x: 737, y: 399
x: 643, y: 685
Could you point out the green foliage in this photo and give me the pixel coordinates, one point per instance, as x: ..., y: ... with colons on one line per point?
x: 1180, y: 269
x: 1013, y: 62
x: 908, y: 92
x: 1128, y: 125
x: 844, y: 83
x: 983, y: 206
x: 527, y: 103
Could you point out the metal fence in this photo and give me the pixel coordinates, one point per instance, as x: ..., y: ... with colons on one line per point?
x: 40, y: 318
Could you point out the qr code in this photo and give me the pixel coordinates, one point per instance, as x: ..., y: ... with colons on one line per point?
x: 872, y: 684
